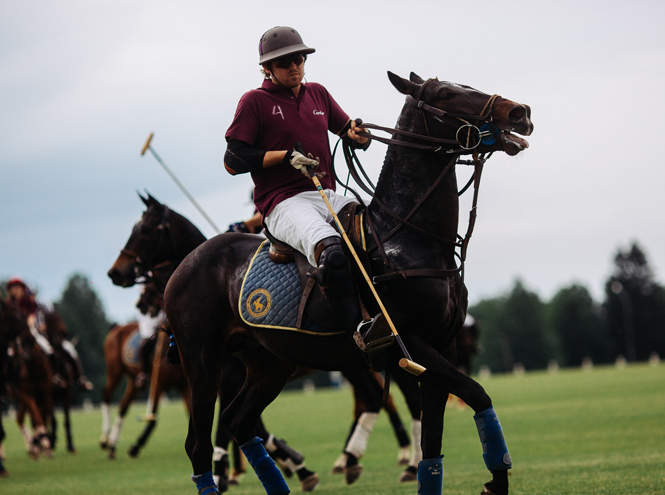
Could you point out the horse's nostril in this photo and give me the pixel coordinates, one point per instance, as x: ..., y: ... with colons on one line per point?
x: 516, y: 114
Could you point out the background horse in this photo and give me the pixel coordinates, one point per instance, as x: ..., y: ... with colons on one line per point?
x: 29, y: 379
x: 412, y: 224
x: 63, y: 368
x: 116, y: 349
x: 157, y: 245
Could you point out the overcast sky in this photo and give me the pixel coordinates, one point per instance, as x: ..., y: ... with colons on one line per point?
x: 83, y: 83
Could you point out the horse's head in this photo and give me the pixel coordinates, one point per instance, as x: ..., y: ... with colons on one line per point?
x: 150, y: 243
x: 470, y: 119
x: 151, y: 300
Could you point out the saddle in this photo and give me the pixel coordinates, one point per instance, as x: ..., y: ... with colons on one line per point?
x: 313, y: 306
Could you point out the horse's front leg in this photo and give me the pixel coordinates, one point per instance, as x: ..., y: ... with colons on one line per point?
x: 266, y: 377
x: 440, y: 379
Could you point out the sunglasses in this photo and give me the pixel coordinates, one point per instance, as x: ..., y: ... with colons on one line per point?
x: 285, y: 62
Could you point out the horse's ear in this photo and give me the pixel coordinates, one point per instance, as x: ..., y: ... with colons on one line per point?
x: 145, y: 200
x: 404, y: 86
x: 152, y: 200
x: 413, y: 77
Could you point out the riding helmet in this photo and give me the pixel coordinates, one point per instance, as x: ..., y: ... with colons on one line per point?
x: 281, y: 41
x: 15, y: 281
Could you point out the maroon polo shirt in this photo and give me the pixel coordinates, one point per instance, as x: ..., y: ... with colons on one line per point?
x: 271, y: 118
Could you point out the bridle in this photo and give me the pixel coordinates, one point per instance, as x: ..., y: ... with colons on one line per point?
x: 468, y: 136
x: 143, y: 266
x: 467, y: 125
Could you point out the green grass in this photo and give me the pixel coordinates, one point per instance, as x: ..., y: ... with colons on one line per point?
x: 575, y: 432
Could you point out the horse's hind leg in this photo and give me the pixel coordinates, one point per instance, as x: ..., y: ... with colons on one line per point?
x: 411, y: 391
x: 442, y: 376
x: 368, y: 389
x: 127, y: 398
x: 266, y: 377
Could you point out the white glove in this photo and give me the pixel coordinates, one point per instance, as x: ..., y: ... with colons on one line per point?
x: 305, y: 164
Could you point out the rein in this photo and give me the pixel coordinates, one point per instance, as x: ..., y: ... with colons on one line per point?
x: 486, y: 133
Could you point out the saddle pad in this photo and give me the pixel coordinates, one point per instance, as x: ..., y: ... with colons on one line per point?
x: 130, y: 351
x: 271, y: 294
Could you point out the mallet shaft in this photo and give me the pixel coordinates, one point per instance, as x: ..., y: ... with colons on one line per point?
x: 178, y: 183
x: 406, y: 363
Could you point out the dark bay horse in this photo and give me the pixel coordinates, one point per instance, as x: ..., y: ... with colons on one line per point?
x: 63, y: 369
x: 413, y: 223
x: 28, y: 378
x: 160, y: 241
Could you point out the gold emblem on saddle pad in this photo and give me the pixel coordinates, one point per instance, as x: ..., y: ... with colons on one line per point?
x: 258, y: 303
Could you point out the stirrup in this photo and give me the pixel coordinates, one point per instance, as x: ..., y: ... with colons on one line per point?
x: 371, y: 335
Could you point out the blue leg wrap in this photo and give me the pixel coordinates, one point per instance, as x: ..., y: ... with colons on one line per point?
x: 264, y: 467
x: 205, y: 483
x: 495, y: 451
x: 430, y: 476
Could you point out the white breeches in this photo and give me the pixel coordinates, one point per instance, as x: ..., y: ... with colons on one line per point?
x: 302, y: 221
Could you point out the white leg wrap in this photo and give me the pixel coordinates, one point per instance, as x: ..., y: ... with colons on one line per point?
x: 270, y: 443
x: 341, y: 461
x: 416, y: 449
x: 106, y: 419
x: 218, y: 453
x: 115, y: 431
x: 27, y: 436
x: 358, y: 442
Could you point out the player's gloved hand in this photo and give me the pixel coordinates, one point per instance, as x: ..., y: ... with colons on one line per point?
x: 306, y: 164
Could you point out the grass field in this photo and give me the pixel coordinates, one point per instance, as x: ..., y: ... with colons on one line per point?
x: 600, y: 431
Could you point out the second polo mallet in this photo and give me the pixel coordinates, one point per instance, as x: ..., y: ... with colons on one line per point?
x: 147, y: 147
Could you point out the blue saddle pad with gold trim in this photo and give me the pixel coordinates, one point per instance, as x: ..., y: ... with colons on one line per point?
x: 271, y: 294
x: 130, y: 351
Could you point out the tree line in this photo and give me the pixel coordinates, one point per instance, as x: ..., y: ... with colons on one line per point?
x: 519, y: 329
x: 516, y: 328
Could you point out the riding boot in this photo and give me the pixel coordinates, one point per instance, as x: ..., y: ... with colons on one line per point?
x: 337, y: 282
x: 339, y: 287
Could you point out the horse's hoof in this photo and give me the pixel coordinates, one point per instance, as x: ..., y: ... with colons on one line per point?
x: 222, y: 484
x: 310, y: 483
x: 489, y: 491
x: 403, y: 456
x: 352, y: 473
x: 409, y: 474
x: 133, y: 452
x: 4, y: 474
x: 103, y: 443
x: 112, y: 454
x: 340, y: 462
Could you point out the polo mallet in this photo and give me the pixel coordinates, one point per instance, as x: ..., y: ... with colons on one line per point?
x: 406, y: 362
x: 156, y: 363
x: 147, y: 147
